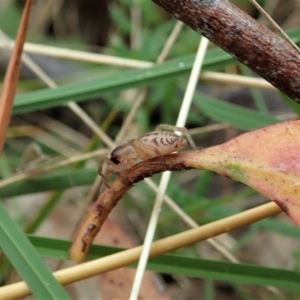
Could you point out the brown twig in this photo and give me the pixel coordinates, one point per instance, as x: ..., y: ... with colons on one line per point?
x: 110, y: 196
x: 12, y: 75
x: 242, y: 37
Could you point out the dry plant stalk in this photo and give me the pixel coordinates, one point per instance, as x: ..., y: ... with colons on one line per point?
x: 241, y: 36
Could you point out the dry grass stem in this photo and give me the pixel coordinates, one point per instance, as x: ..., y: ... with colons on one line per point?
x: 181, y: 120
x: 251, y: 82
x: 170, y: 42
x: 80, y: 55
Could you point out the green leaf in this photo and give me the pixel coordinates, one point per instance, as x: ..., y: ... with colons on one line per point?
x: 27, y: 261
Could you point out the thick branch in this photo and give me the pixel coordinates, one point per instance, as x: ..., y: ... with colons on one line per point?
x: 245, y: 39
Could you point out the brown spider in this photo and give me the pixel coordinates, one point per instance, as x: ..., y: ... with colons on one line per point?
x: 152, y: 144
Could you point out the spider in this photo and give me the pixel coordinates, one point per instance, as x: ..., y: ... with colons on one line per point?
x: 152, y: 144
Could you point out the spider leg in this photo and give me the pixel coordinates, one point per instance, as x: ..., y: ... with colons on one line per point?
x: 111, y: 169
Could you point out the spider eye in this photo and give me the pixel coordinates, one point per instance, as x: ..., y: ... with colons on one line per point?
x: 115, y: 160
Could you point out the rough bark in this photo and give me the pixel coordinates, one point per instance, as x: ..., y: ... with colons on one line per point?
x: 241, y: 36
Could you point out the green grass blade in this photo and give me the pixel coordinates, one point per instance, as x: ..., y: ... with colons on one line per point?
x: 194, y: 267
x: 58, y: 180
x: 43, y: 212
x: 85, y: 90
x: 260, y: 102
x: 27, y: 261
x: 239, y: 117
x: 217, y: 270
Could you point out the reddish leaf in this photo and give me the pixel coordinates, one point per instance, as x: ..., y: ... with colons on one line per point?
x: 267, y: 159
